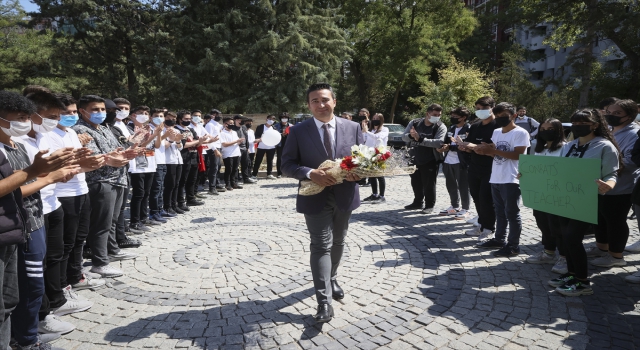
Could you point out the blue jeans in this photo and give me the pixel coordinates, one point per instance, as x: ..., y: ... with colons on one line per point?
x: 506, y: 201
x: 24, y: 319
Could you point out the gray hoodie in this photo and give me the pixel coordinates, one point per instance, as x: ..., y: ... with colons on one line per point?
x: 598, y: 148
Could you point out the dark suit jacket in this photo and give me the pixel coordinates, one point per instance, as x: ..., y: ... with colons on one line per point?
x: 304, y: 151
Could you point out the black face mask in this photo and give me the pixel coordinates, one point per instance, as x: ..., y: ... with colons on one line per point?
x: 503, y: 121
x: 375, y: 123
x: 218, y: 118
x: 235, y: 128
x: 248, y: 125
x: 169, y: 122
x: 614, y: 120
x: 548, y: 135
x: 111, y: 117
x: 580, y: 130
x: 454, y: 120
x: 185, y: 122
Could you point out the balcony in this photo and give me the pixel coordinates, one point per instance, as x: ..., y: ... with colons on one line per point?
x: 551, y: 62
x: 536, y: 42
x: 538, y: 66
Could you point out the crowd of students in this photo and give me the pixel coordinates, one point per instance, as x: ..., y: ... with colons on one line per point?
x: 66, y: 169
x: 480, y: 160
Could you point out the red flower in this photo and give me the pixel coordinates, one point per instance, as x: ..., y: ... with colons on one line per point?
x: 386, y: 156
x: 377, y: 151
x: 347, y: 163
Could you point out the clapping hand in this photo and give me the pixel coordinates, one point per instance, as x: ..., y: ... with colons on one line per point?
x: 414, y: 134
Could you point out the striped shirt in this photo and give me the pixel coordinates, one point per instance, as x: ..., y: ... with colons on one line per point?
x: 19, y: 159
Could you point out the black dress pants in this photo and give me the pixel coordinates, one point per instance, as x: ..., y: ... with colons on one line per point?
x: 77, y: 213
x: 171, y: 181
x: 230, y: 170
x: 53, y: 297
x: 141, y: 184
x: 423, y: 182
x: 480, y: 190
x: 259, y: 155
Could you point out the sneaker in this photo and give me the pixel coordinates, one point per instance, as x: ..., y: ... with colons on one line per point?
x: 52, y: 324
x: 633, y: 248
x: 106, y: 271
x: 473, y: 220
x: 413, y: 206
x: 449, y: 211
x: 463, y: 214
x: 249, y: 180
x: 157, y: 217
x: 542, y: 258
x: 575, y: 288
x: 129, y: 243
x: 378, y: 200
x: 201, y: 196
x: 475, y: 231
x: 48, y: 337
x: 635, y: 278
x: 229, y: 188
x: 237, y: 187
x: 491, y: 243
x: 70, y: 293
x: 506, y: 252
x: 213, y: 192
x: 595, y: 252
x: 608, y: 261
x: 179, y: 210
x: 170, y: 211
x: 122, y: 255
x: 149, y: 222
x: 138, y: 229
x: 279, y: 176
x: 86, y: 272
x: 370, y: 198
x: 561, y: 280
x: 486, y: 234
x: 72, y: 305
x: 271, y: 177
x: 89, y: 283
x: 166, y: 214
x: 37, y: 346
x: 221, y: 189
x: 560, y: 266
x: 427, y: 210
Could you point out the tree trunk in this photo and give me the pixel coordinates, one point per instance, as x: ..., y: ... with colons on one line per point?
x: 396, y: 94
x: 132, y: 79
x: 587, y: 69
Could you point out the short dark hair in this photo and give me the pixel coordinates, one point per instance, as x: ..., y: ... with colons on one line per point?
x: 248, y: 120
x: 238, y: 116
x: 271, y: 115
x: 461, y: 111
x: 486, y: 101
x: 121, y: 101
x: 607, y: 102
x: 284, y: 115
x: 196, y: 111
x: 156, y: 110
x: 45, y: 101
x: 320, y: 86
x: 84, y: 101
x: 207, y: 116
x: 504, y: 106
x: 29, y: 89
x: 182, y: 113
x: 215, y: 111
x: 434, y: 107
x: 171, y: 114
x: 66, y: 99
x: 226, y: 119
x: 364, y: 110
x: 142, y: 108
x: 11, y: 102
x: 520, y: 108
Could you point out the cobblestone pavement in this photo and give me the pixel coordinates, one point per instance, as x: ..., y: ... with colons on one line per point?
x: 234, y: 274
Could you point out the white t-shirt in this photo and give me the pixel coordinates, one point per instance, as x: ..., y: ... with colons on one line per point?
x: 262, y: 145
x: 378, y: 139
x: 151, y: 161
x: 251, y: 138
x: 213, y: 128
x: 123, y: 127
x: 503, y: 170
x: 452, y: 156
x: 77, y: 186
x: 33, y: 146
x: 546, y: 152
x: 172, y: 153
x: 159, y: 154
x: 233, y: 150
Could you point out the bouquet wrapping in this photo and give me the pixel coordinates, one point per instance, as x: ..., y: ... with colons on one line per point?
x: 364, y: 161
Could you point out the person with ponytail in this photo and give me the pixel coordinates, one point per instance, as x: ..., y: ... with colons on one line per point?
x: 593, y: 139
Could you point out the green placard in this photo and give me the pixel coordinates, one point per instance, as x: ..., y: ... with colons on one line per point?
x: 561, y: 186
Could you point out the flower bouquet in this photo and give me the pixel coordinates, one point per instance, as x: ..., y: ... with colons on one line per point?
x: 364, y: 161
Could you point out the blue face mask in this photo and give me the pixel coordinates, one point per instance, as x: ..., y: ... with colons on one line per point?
x: 98, y: 117
x: 68, y: 120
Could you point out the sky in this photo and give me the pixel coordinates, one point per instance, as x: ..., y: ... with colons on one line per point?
x: 29, y: 6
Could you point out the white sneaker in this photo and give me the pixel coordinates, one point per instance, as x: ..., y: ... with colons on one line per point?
x: 427, y: 210
x: 608, y: 261
x: 89, y: 283
x: 473, y: 220
x: 475, y: 231
x: 86, y: 271
x: 541, y: 258
x: 122, y: 255
x: 271, y: 177
x: 595, y: 252
x: 635, y: 278
x: 69, y: 293
x: 463, y: 214
x: 485, y: 234
x: 107, y: 271
x: 449, y: 211
x: 52, y: 324
x: 634, y: 248
x: 74, y: 304
x: 560, y: 266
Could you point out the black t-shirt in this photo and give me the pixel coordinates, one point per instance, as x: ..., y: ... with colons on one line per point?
x: 423, y: 155
x: 189, y: 155
x: 479, y: 133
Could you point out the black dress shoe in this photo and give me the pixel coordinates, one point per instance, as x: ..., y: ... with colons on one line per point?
x: 183, y: 207
x: 324, y: 314
x: 178, y: 210
x: 194, y: 202
x: 337, y: 292
x: 413, y: 206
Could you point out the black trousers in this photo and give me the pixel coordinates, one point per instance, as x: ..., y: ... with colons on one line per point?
x: 279, y: 159
x: 230, y: 170
x: 252, y: 157
x: 141, y: 188
x: 480, y: 190
x: 77, y: 213
x: 171, y: 180
x: 157, y: 189
x: 245, y: 170
x: 423, y: 182
x: 374, y: 185
x: 572, y: 236
x: 612, y: 226
x: 53, y: 297
x: 259, y: 156
x: 187, y: 183
x: 121, y: 225
x: 549, y: 225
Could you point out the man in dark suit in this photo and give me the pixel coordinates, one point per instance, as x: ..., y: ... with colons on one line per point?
x: 327, y: 213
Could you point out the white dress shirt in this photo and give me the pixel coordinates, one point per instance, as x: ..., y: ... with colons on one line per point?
x: 332, y: 134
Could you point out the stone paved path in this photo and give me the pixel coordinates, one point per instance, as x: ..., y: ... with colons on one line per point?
x: 234, y: 274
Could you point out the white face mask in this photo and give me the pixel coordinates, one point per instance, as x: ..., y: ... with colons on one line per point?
x: 142, y: 118
x: 269, y: 122
x: 434, y: 120
x: 638, y: 117
x: 122, y: 114
x: 47, y: 125
x: 483, y: 113
x: 197, y: 120
x: 17, y: 128
x: 284, y: 120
